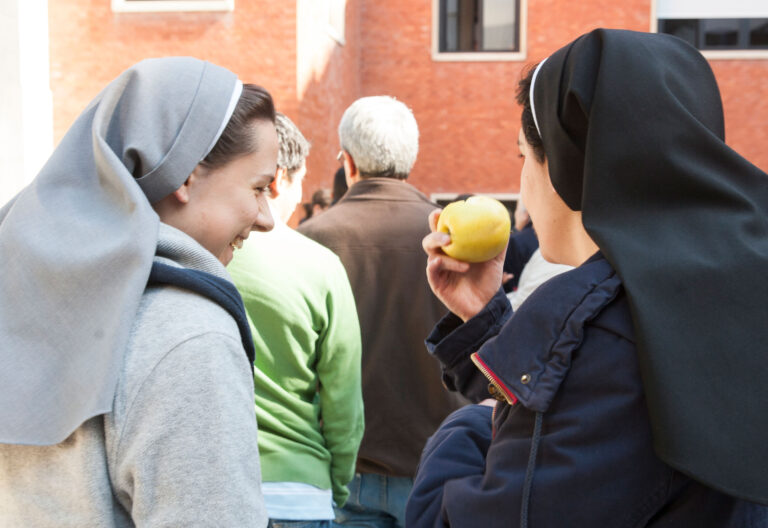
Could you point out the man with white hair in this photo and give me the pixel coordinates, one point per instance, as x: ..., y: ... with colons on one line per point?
x: 376, y: 229
x: 309, y: 404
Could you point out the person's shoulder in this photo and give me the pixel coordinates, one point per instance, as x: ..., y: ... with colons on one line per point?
x: 336, y: 225
x: 325, y: 222
x: 311, y: 258
x: 591, y: 294
x: 180, y: 330
x: 411, y: 197
x: 311, y: 247
x: 168, y: 316
x: 582, y: 311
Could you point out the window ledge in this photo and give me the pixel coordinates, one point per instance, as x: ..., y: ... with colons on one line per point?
x: 479, y: 56
x: 451, y: 196
x: 742, y: 54
x: 159, y: 6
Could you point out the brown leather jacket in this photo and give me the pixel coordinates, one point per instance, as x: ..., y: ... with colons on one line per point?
x: 376, y: 230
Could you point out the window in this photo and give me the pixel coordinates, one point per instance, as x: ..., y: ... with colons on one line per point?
x: 149, y: 6
x: 716, y: 26
x: 719, y: 33
x: 478, y: 29
x: 508, y: 199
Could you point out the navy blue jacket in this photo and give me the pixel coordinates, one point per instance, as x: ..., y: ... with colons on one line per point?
x: 570, y: 442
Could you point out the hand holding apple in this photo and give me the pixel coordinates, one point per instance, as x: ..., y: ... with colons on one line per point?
x: 462, y: 287
x: 479, y: 228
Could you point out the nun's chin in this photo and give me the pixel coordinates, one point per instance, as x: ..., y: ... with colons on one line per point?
x: 225, y: 257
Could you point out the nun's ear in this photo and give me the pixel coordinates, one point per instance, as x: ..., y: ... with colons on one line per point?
x: 182, y: 194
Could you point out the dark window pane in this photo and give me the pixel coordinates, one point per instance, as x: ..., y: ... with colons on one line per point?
x: 721, y: 33
x: 758, y: 32
x: 458, y: 19
x: 686, y: 29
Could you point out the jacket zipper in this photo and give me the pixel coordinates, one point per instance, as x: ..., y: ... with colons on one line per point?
x: 495, y: 387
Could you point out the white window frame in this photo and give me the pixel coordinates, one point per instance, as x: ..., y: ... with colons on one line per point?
x: 159, y: 6
x: 480, y: 56
x: 748, y: 54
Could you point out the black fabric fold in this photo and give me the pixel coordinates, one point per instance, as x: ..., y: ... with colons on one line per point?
x: 633, y: 131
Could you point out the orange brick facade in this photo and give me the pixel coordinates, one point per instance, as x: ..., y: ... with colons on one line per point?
x: 466, y: 110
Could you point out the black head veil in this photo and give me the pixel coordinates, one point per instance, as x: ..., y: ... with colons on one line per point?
x: 632, y: 127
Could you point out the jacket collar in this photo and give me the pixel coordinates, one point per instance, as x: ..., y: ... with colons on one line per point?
x: 547, y: 330
x: 383, y: 189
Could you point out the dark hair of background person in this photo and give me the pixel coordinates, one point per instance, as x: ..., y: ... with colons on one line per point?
x: 254, y: 104
x: 528, y: 123
x: 307, y: 206
x: 321, y: 197
x: 339, y: 185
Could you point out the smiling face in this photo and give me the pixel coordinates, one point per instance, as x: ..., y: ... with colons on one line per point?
x: 225, y: 204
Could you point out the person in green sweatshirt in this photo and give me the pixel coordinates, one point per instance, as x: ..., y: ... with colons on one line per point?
x: 306, y: 334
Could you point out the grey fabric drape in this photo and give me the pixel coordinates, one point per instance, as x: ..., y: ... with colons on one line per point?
x: 76, y: 245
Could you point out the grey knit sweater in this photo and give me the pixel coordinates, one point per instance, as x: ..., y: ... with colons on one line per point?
x: 179, y: 447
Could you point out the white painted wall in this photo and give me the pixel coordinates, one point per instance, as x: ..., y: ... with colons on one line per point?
x: 26, y: 102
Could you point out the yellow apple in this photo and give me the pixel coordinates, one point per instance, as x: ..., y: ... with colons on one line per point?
x: 479, y: 228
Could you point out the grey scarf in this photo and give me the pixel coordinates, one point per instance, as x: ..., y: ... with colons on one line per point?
x: 77, y: 244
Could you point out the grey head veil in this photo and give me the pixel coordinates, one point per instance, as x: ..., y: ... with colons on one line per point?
x: 77, y: 244
x: 632, y: 128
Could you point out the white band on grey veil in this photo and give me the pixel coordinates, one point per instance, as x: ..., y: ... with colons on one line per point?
x: 236, y: 92
x: 530, y: 95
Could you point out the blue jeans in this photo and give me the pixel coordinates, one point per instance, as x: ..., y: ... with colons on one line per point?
x: 278, y: 523
x: 375, y: 501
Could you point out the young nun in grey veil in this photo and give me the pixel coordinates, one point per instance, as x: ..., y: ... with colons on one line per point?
x: 123, y: 402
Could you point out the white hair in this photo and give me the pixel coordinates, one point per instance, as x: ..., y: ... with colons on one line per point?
x: 381, y: 135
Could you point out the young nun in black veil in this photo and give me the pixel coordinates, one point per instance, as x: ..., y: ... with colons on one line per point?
x: 632, y: 390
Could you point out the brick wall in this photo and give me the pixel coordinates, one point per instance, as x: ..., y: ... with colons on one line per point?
x: 743, y: 88
x: 466, y: 110
x: 91, y: 45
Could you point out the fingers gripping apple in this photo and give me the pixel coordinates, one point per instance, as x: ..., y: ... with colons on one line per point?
x: 479, y: 228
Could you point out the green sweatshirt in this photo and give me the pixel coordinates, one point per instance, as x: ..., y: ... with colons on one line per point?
x: 309, y: 404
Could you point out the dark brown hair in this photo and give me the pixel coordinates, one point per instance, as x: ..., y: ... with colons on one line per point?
x: 526, y: 119
x: 339, y: 185
x: 254, y: 104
